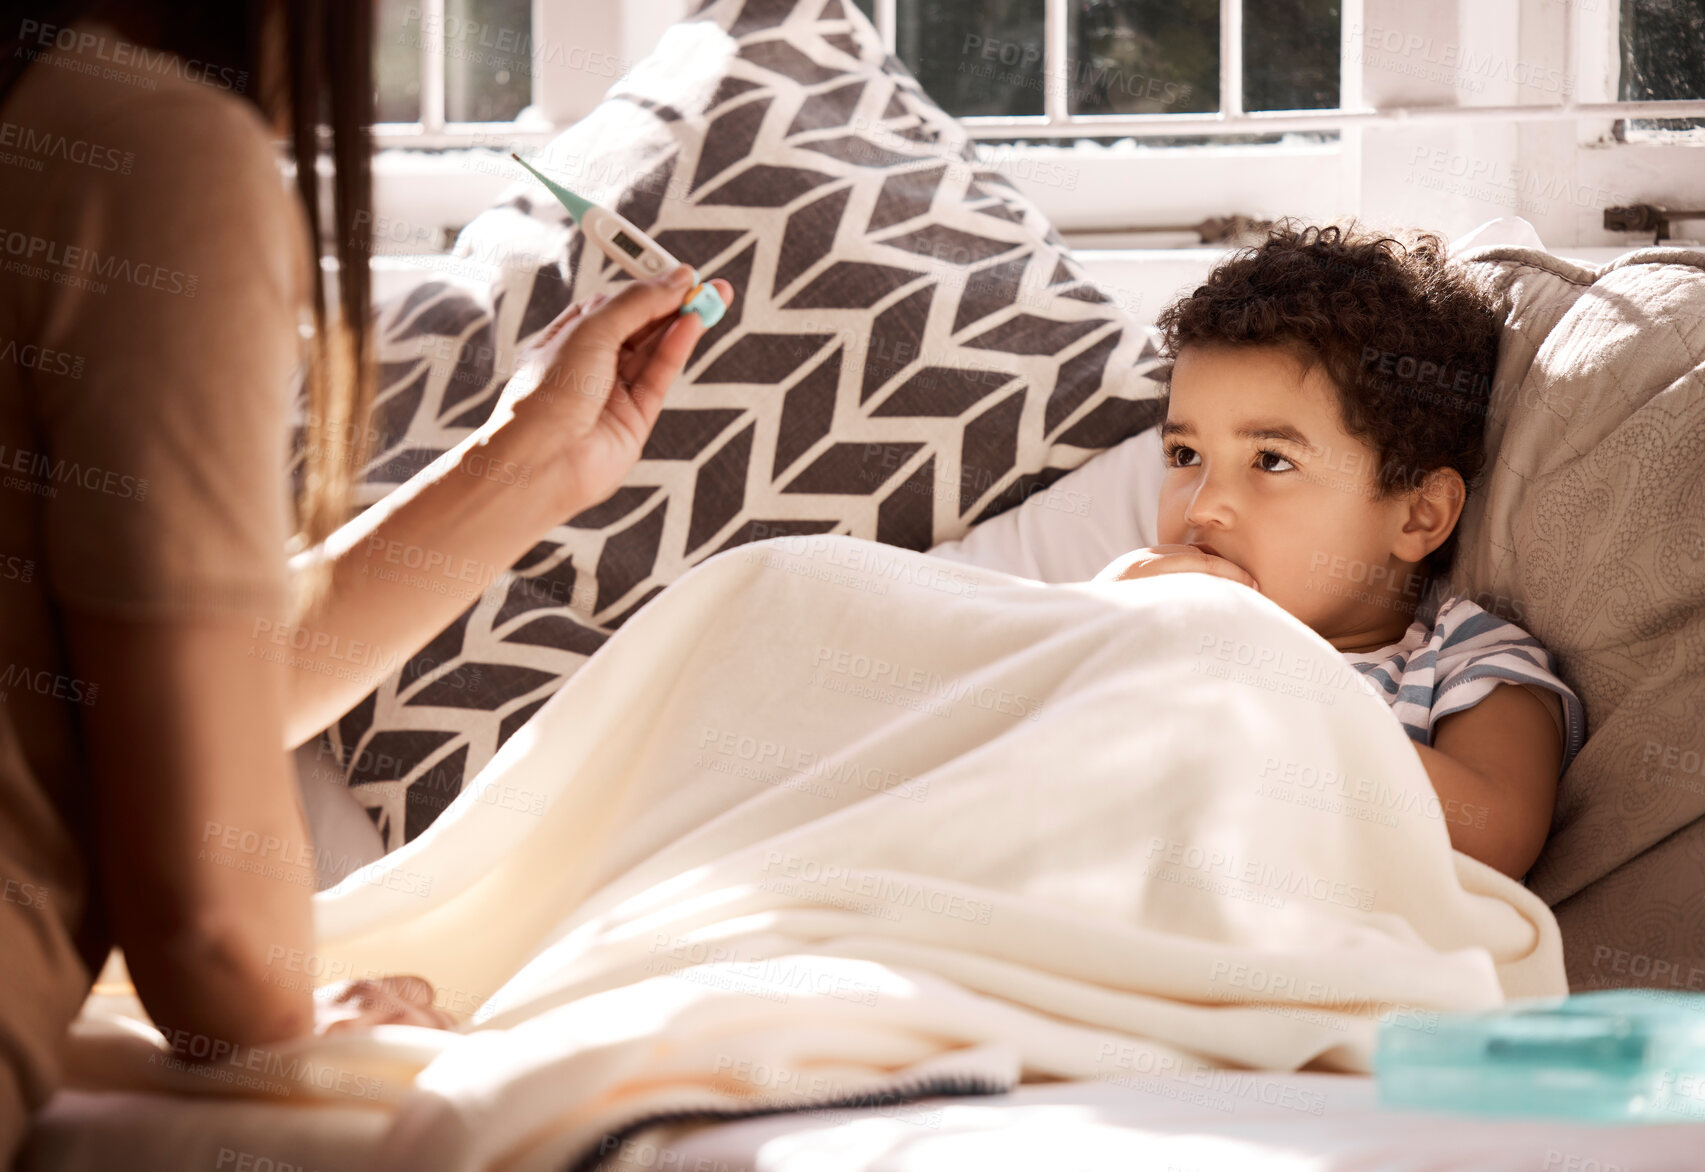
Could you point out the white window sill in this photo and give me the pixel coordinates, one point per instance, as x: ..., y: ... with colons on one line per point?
x: 1140, y: 280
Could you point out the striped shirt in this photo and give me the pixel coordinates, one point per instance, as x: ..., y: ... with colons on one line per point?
x: 1451, y: 658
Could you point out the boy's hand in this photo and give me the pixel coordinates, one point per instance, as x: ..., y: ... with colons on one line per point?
x: 1172, y: 559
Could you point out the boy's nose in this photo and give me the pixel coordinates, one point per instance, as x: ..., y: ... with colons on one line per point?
x: 1209, y: 509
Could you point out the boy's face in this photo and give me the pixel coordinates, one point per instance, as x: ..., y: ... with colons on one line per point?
x: 1299, y: 514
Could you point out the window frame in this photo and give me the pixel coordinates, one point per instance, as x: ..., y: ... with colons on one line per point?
x: 1181, y: 184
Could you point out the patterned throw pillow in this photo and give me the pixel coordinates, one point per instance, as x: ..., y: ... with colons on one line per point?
x: 911, y: 351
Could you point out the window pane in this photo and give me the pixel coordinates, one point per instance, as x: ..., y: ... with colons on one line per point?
x: 974, y: 56
x: 1663, y: 57
x: 488, y: 67
x: 1144, y: 57
x: 396, y: 61
x: 1290, y: 55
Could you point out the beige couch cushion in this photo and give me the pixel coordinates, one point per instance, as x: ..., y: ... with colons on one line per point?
x: 1589, y: 530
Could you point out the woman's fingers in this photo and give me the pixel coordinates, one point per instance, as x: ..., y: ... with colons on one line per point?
x: 562, y: 321
x: 638, y: 303
x: 663, y: 366
x: 637, y: 334
x: 566, y: 318
x: 637, y: 350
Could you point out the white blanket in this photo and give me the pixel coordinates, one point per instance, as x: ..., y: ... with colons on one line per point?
x: 828, y: 819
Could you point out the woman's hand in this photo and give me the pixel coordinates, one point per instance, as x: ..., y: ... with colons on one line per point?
x: 1172, y: 559
x: 350, y: 1006
x: 588, y: 389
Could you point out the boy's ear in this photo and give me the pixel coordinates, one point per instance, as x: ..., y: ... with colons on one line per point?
x: 1434, y: 507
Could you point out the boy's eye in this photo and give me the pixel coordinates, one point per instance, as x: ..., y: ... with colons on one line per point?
x: 1173, y: 452
x: 1178, y: 456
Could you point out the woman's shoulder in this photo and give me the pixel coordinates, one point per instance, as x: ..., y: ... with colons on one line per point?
x: 147, y: 165
x: 97, y: 106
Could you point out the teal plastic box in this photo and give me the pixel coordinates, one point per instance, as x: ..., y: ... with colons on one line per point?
x: 1618, y: 1056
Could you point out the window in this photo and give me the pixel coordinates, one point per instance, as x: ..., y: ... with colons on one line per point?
x: 442, y: 62
x: 988, y: 57
x: 995, y: 62
x: 1662, y: 46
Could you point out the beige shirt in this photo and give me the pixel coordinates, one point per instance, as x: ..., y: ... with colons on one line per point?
x: 153, y: 278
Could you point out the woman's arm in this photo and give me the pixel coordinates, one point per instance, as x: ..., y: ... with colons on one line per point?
x: 1494, y: 767
x: 405, y: 568
x: 570, y: 424
x: 205, y: 862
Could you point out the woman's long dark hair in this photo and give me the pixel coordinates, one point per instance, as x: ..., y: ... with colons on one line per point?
x: 310, y: 61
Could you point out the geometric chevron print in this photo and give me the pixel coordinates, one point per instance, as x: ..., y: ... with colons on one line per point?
x: 911, y: 350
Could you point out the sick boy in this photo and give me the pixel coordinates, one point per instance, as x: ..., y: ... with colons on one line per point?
x: 1324, y: 424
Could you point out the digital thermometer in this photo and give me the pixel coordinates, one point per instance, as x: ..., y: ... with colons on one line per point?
x: 634, y: 252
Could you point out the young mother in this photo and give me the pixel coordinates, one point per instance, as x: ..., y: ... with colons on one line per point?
x: 156, y: 272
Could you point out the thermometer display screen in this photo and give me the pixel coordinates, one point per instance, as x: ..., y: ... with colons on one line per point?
x: 626, y: 243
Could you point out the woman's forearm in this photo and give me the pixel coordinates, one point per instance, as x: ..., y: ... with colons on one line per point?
x: 206, y: 865
x: 571, y: 421
x: 405, y: 568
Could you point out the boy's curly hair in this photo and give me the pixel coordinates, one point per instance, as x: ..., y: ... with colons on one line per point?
x: 1410, y: 343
